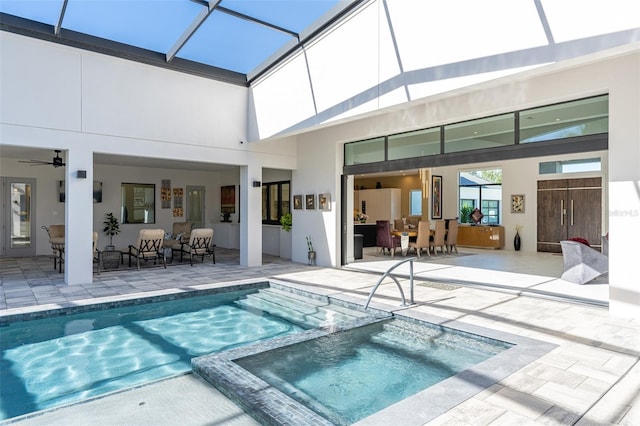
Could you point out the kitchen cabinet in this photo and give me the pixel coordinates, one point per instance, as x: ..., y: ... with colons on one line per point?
x: 380, y: 204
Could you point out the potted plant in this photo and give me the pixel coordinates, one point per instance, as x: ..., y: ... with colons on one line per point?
x: 111, y: 228
x: 311, y: 254
x: 286, y: 221
x: 361, y: 217
x: 465, y: 212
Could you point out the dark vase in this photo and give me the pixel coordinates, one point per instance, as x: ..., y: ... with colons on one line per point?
x: 516, y: 242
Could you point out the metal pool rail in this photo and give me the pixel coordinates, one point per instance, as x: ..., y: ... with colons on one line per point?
x: 388, y: 274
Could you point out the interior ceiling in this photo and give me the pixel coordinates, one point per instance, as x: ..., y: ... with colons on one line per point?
x: 26, y: 153
x: 233, y: 40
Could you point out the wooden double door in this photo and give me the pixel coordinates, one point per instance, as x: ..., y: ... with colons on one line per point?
x: 569, y: 208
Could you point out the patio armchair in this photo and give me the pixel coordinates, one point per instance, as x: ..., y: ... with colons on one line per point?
x: 148, y: 247
x: 56, y: 239
x: 384, y: 239
x: 199, y: 244
x: 96, y: 253
x: 582, y: 263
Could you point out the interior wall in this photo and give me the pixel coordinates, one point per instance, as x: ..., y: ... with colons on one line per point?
x: 405, y: 183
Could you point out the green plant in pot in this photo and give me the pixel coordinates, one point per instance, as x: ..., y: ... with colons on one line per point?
x: 111, y: 228
x: 465, y: 212
x: 286, y: 221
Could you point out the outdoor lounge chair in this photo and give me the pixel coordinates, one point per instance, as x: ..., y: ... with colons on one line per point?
x: 148, y: 247
x: 199, y: 244
x: 582, y: 263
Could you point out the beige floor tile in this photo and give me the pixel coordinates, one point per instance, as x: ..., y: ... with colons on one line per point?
x: 520, y: 403
x: 567, y: 397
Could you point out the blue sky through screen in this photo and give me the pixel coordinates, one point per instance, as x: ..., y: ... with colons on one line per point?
x: 223, y: 40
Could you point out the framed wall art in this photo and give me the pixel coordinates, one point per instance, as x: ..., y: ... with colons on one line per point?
x: 165, y: 193
x: 324, y: 201
x: 436, y: 197
x: 297, y: 202
x: 517, y: 203
x: 228, y: 199
x: 178, y: 193
x: 310, y: 201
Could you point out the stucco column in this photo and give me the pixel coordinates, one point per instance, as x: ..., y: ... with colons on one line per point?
x: 624, y: 194
x: 78, y: 258
x: 250, y: 215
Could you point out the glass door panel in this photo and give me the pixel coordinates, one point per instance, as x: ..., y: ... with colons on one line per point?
x: 195, y: 206
x: 19, y: 236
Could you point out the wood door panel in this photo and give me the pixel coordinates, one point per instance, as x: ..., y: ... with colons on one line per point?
x: 552, y: 227
x: 584, y: 219
x: 569, y: 208
x: 584, y: 183
x: 553, y: 184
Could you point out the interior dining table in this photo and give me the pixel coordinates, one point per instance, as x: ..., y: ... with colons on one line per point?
x: 404, y: 242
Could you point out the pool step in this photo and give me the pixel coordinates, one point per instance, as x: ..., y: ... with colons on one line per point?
x: 414, y: 332
x: 298, y: 309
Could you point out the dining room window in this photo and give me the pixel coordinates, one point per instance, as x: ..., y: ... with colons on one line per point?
x: 415, y: 202
x: 482, y: 189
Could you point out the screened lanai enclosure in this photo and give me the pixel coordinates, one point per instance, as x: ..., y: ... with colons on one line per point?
x: 312, y: 62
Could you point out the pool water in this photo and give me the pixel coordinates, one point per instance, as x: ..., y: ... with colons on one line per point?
x: 350, y: 375
x: 48, y: 362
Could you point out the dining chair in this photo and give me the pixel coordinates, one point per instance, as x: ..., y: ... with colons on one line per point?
x: 384, y: 239
x: 438, y: 238
x: 422, y: 240
x: 451, y: 239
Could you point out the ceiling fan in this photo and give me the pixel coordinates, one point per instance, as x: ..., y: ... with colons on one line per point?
x: 55, y: 162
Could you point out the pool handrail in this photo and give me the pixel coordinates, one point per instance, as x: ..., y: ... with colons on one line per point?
x: 388, y: 273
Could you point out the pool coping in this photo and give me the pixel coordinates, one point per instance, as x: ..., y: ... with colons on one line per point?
x: 132, y: 299
x: 271, y: 406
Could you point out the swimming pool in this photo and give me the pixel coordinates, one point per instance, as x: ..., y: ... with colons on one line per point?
x: 375, y: 372
x: 70, y: 357
x: 350, y: 375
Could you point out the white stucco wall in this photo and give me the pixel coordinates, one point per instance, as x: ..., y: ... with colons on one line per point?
x: 614, y: 72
